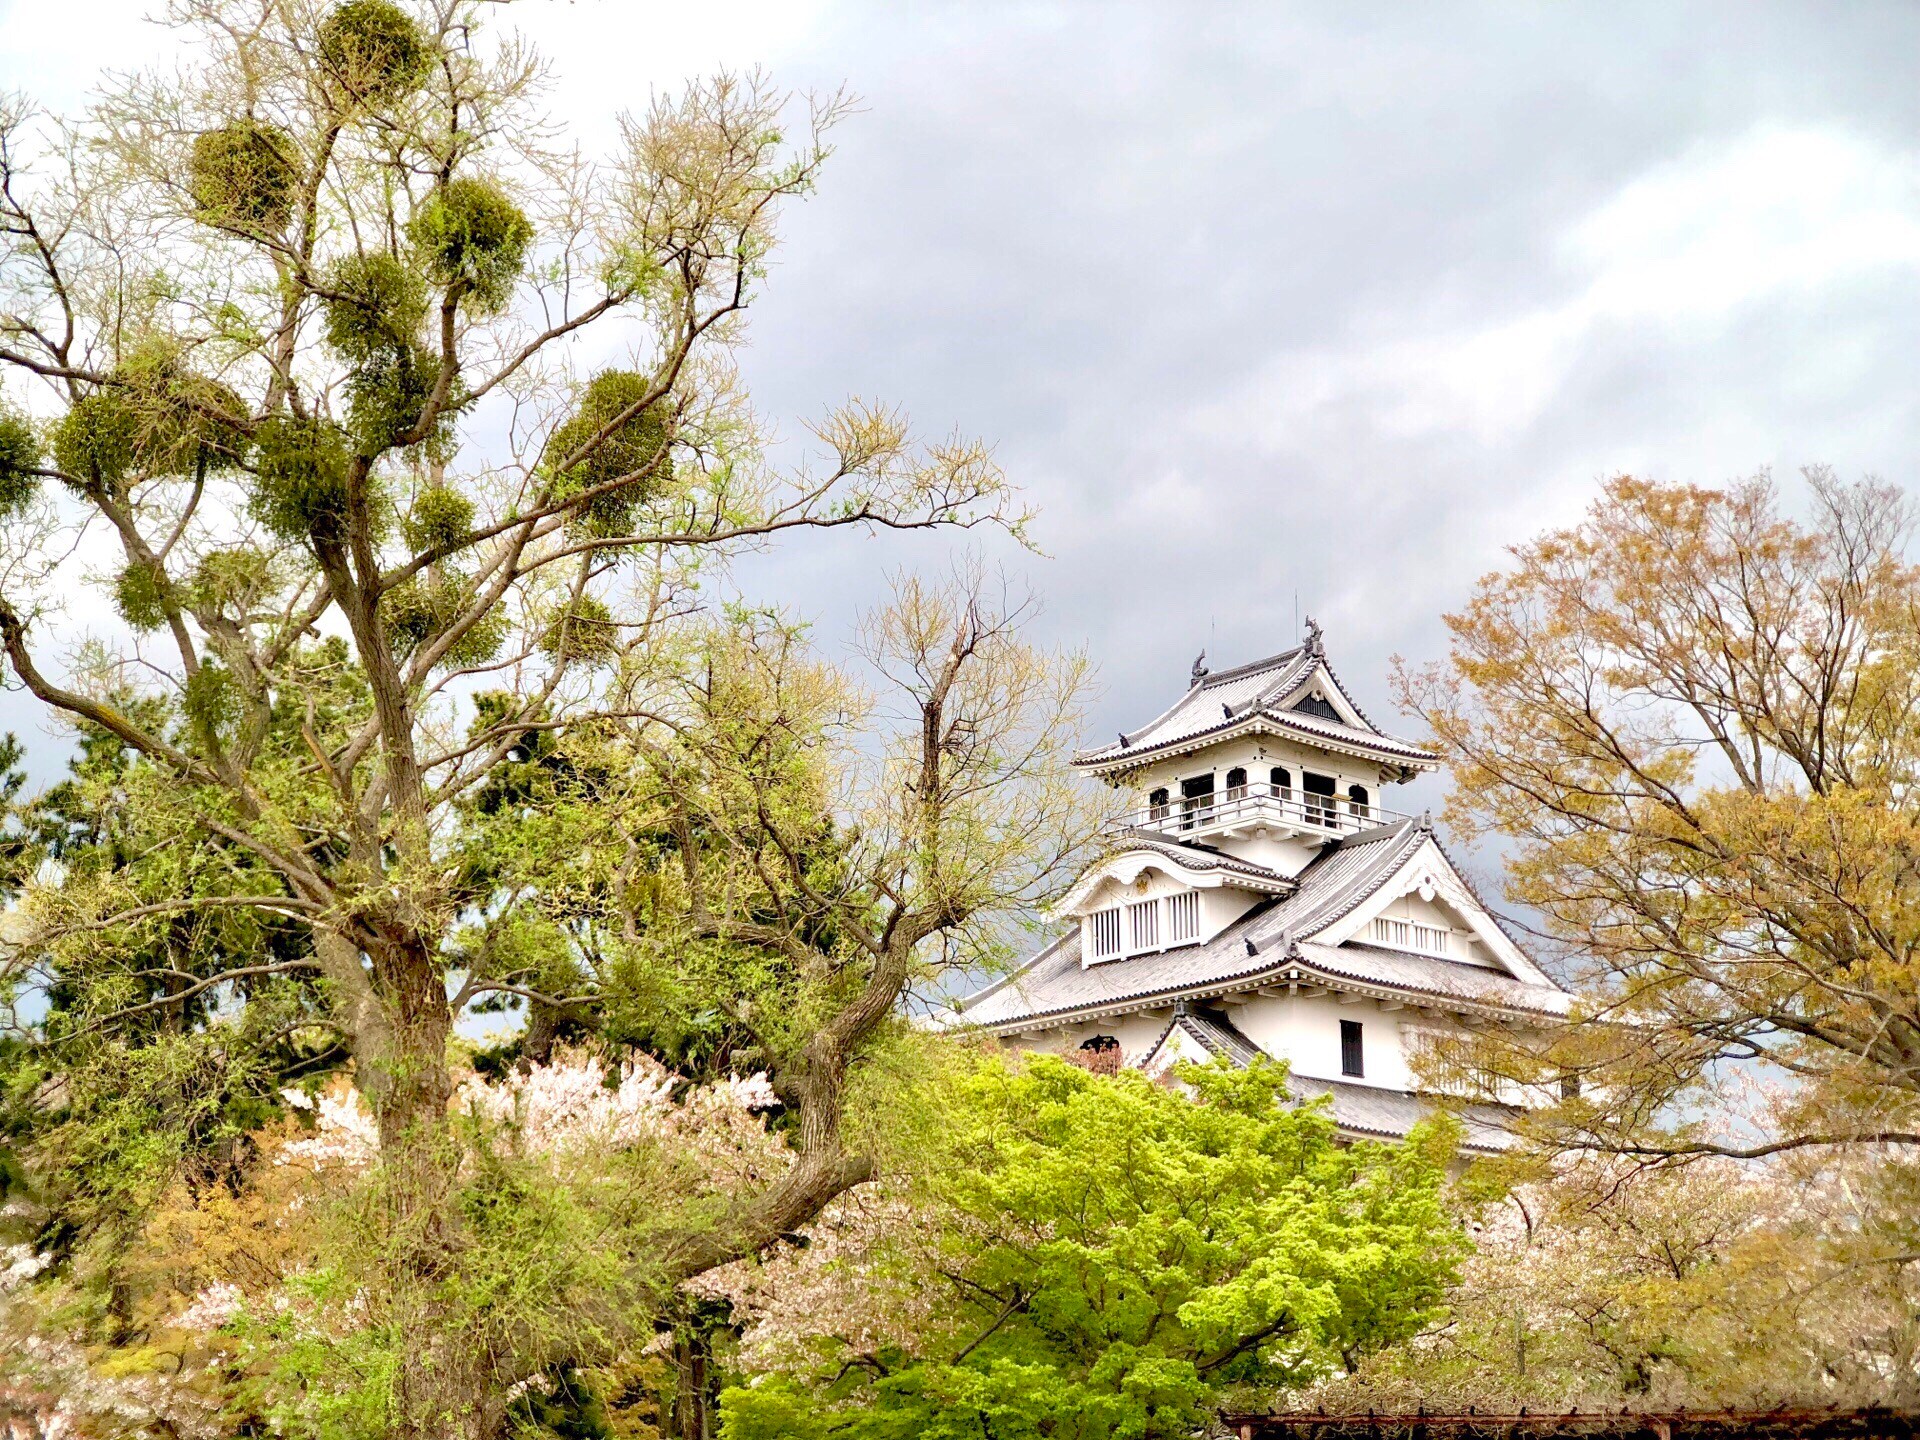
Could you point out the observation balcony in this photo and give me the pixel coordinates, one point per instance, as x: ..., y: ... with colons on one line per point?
x: 1245, y: 809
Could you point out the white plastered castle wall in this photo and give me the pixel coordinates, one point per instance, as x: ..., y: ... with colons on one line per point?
x: 1302, y: 1029
x: 1305, y: 1029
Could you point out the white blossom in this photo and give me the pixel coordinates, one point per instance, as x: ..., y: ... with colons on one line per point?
x: 211, y: 1308
x: 567, y: 1108
x: 19, y: 1264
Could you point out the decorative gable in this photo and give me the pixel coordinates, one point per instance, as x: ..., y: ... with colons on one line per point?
x: 1428, y: 908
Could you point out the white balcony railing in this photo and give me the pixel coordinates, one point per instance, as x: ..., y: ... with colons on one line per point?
x: 1248, y: 807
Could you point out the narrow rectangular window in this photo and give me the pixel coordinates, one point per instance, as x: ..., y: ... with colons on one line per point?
x: 1143, y: 918
x: 1196, y: 801
x: 1319, y: 788
x: 1183, y: 917
x: 1352, y: 1057
x: 1105, y: 925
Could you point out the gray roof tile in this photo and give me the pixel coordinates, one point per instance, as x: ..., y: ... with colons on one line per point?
x: 1055, y: 984
x: 1230, y: 698
x: 1216, y: 1034
x: 1376, y: 1110
x: 1358, y: 1109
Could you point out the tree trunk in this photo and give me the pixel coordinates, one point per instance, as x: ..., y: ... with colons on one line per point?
x: 445, y: 1388
x: 691, y: 1415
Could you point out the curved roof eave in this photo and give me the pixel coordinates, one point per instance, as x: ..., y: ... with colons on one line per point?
x: 1288, y: 969
x: 1387, y: 750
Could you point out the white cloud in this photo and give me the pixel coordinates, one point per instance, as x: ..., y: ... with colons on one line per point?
x: 1777, y: 209
x: 1776, y: 214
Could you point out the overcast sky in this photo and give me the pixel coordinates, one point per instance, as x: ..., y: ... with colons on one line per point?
x: 1273, y: 300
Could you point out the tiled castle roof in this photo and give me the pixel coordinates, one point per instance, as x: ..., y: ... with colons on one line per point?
x: 1359, y: 1110
x: 1252, y: 696
x: 1271, y: 941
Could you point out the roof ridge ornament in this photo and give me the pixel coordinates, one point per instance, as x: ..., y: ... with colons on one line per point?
x: 1316, y: 645
x: 1199, y: 667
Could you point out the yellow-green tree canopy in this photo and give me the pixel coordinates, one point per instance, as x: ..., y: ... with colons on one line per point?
x: 1693, y: 722
x: 1098, y: 1256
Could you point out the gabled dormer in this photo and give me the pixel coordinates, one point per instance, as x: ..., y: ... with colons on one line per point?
x: 1426, y: 907
x: 1151, y: 893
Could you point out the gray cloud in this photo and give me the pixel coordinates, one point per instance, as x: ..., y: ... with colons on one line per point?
x: 1269, y: 300
x: 1331, y: 301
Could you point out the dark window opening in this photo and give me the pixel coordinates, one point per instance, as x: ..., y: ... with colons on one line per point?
x: 1101, y: 1055
x: 1357, y: 797
x: 1236, y: 783
x: 1157, y: 804
x: 1569, y: 1087
x: 1320, y: 792
x: 1282, y: 781
x: 1352, y: 1057
x: 1196, y: 798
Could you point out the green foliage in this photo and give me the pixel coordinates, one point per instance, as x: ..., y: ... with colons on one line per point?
x: 374, y: 50
x: 386, y: 395
x: 243, y: 175
x: 372, y: 318
x: 95, y: 440
x: 556, y: 1251
x: 440, y: 516
x: 634, y: 449
x: 140, y: 595
x: 418, y: 610
x: 567, y: 1407
x: 230, y: 581
x: 415, y: 612
x: 19, y: 457
x: 469, y: 233
x: 162, y: 1095
x: 276, y: 818
x: 1119, y: 1254
x: 155, y: 418
x: 302, y: 486
x: 374, y: 305
x: 186, y: 422
x: 583, y: 633
x: 209, y: 701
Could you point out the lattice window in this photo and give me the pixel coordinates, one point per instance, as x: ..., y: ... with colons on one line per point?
x: 1143, y: 925
x: 1104, y: 930
x: 1412, y: 935
x: 1183, y: 917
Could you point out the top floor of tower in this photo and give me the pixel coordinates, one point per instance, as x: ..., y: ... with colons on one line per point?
x: 1267, y: 761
